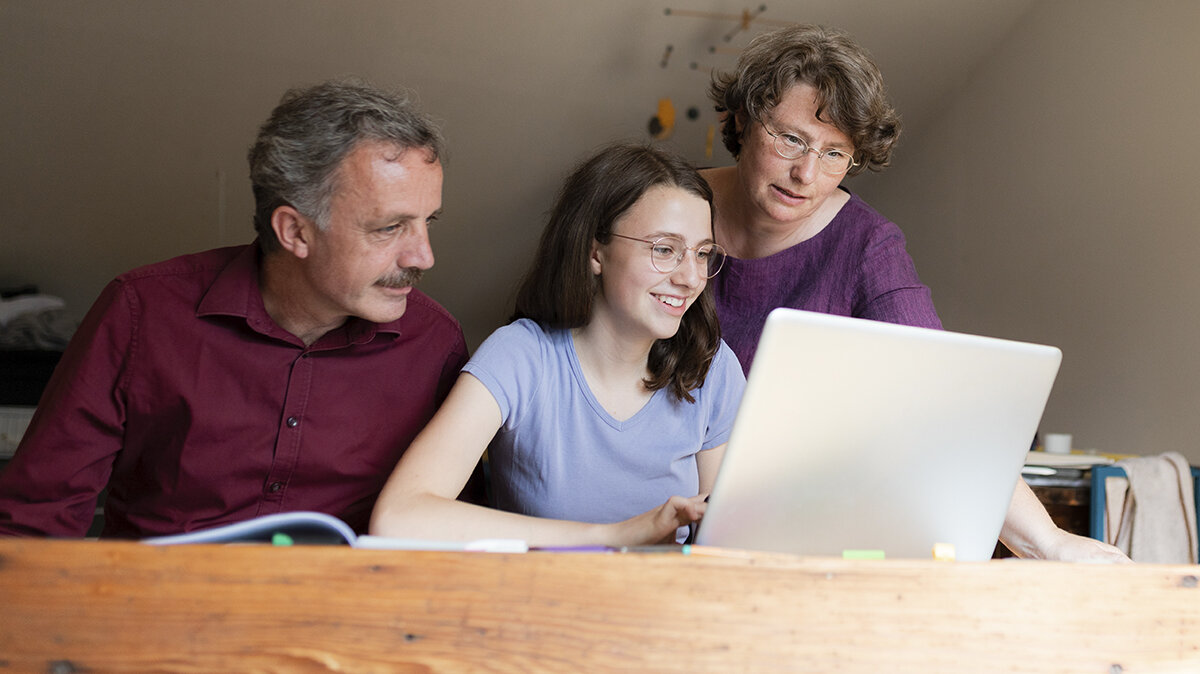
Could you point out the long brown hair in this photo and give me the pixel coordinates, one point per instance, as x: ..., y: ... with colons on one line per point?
x: 559, y: 288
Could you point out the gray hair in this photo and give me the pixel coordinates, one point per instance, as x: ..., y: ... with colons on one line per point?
x: 295, y: 159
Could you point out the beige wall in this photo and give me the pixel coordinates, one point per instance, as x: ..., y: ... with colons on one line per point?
x: 126, y: 123
x: 1054, y: 200
x: 1049, y: 200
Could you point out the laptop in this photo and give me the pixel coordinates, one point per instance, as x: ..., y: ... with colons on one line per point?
x: 856, y: 437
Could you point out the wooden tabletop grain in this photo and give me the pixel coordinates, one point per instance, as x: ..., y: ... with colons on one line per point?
x: 75, y: 606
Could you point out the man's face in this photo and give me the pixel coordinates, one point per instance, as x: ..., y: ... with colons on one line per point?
x: 377, y: 242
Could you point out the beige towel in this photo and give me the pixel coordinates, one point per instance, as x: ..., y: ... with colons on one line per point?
x: 1158, y: 520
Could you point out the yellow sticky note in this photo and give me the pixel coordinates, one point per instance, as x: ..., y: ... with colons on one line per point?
x: 943, y: 552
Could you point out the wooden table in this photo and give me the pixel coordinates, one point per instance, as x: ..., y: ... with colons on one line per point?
x: 73, y: 606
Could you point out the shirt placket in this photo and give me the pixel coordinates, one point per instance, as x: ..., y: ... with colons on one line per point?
x: 289, y: 435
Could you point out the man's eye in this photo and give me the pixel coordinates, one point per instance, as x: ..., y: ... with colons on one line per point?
x: 835, y: 154
x: 793, y: 140
x: 664, y: 252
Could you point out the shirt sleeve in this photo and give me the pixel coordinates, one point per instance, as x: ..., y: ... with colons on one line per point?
x: 508, y: 363
x: 66, y: 455
x: 892, y: 292
x: 725, y: 383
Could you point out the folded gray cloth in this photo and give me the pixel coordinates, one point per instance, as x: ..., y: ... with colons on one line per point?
x: 47, y: 330
x: 1158, y: 521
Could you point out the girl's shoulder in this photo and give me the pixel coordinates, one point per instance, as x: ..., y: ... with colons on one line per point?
x: 521, y: 336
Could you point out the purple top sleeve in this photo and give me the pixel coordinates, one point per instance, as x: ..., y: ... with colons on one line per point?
x: 857, y: 266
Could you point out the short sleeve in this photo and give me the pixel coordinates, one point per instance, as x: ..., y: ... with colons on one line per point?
x: 509, y: 363
x: 723, y: 389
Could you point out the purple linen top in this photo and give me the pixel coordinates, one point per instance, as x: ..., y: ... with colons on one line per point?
x: 857, y: 266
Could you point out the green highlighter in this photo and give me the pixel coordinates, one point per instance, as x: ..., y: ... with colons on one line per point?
x: 862, y: 554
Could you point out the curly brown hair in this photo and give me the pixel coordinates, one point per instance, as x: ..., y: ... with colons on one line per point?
x: 850, y: 91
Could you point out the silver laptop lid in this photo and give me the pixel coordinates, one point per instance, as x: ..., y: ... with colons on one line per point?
x: 861, y: 435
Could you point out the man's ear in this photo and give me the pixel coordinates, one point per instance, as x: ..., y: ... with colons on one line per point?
x: 293, y: 230
x: 739, y: 122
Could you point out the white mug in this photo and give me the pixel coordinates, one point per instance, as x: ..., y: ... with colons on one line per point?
x: 1057, y: 443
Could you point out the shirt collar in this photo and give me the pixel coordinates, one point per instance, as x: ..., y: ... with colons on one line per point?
x: 235, y: 292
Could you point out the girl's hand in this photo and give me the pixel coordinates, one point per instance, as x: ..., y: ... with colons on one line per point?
x: 659, y: 525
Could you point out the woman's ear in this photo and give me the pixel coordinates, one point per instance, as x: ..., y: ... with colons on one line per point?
x: 739, y: 122
x: 293, y: 230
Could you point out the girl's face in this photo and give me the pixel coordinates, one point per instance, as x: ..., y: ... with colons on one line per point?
x: 637, y: 300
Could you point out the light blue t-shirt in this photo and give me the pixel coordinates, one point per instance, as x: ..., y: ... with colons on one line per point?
x: 560, y: 454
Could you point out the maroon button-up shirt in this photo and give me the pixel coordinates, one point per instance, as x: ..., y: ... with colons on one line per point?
x: 181, y: 395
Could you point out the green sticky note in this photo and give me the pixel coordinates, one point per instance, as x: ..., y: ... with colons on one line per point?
x: 281, y: 539
x: 862, y: 554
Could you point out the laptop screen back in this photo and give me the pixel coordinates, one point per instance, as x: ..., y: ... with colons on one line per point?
x: 860, y: 435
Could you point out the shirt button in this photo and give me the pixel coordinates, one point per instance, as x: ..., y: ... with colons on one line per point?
x: 275, y: 487
x: 293, y: 422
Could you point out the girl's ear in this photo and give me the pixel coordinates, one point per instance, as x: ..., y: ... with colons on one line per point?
x: 596, y: 258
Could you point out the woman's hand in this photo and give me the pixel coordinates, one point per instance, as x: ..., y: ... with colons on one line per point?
x: 1068, y: 547
x: 659, y: 525
x: 1030, y: 533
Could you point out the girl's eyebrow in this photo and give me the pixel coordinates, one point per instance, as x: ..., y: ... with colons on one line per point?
x: 659, y: 234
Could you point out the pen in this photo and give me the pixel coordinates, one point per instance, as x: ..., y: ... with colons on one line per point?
x: 669, y: 548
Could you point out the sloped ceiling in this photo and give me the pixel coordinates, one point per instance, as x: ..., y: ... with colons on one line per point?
x: 926, y: 48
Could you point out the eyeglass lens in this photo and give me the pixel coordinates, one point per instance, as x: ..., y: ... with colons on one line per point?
x: 793, y: 147
x: 667, y: 254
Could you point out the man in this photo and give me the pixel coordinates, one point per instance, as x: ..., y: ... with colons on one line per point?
x: 289, y: 374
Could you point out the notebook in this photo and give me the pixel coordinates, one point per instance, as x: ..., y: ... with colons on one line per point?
x: 856, y: 435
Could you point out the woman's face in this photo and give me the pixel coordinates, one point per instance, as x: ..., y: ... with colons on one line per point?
x: 635, y: 299
x: 789, y: 192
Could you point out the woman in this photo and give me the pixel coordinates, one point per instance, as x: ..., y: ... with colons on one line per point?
x: 804, y: 108
x: 608, y: 401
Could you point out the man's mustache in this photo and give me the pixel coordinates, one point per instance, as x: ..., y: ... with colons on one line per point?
x: 401, y: 279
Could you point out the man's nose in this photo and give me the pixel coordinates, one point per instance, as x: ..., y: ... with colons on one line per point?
x: 417, y: 251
